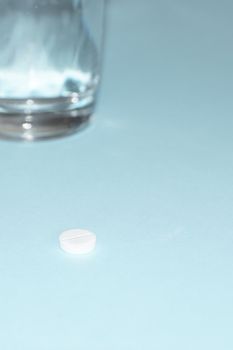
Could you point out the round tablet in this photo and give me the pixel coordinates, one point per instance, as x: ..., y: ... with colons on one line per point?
x: 77, y: 241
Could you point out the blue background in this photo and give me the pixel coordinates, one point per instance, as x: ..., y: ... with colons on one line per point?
x: 152, y: 177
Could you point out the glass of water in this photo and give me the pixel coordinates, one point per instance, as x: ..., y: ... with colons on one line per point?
x: 50, y: 62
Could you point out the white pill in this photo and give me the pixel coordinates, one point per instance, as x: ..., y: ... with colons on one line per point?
x: 77, y: 241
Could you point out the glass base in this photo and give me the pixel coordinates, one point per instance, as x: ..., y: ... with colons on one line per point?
x: 43, y: 125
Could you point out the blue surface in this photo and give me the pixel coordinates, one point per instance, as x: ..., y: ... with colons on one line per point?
x: 152, y: 177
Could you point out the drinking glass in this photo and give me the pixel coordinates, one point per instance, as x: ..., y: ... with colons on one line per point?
x: 50, y: 65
